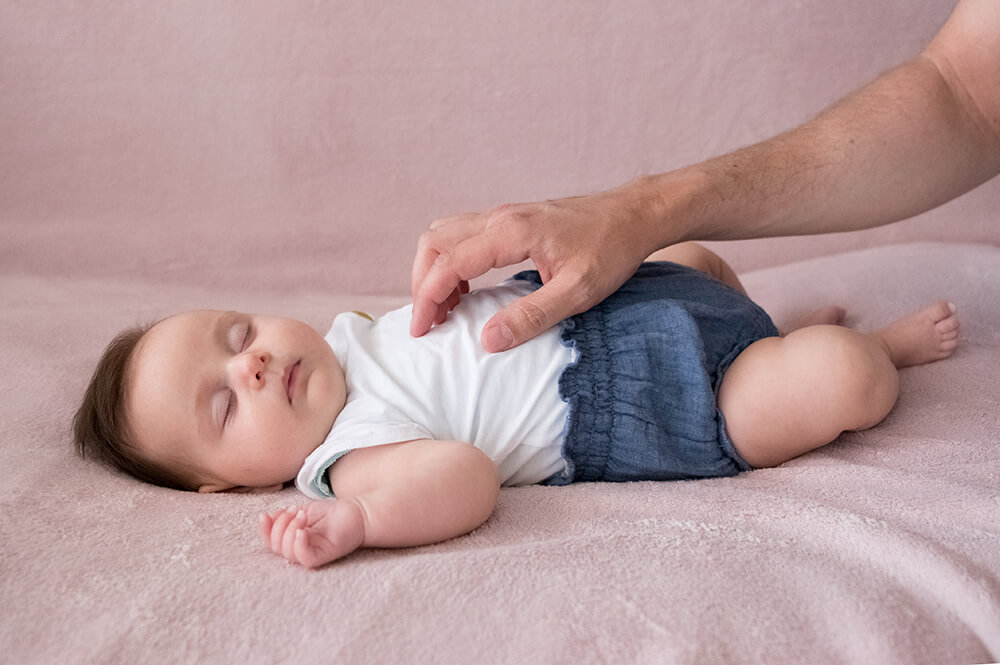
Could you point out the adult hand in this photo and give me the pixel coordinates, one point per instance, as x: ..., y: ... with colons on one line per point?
x: 583, y: 247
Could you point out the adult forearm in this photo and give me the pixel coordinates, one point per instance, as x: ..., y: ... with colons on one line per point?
x: 901, y: 145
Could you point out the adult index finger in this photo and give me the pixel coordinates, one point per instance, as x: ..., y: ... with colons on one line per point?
x: 467, y: 260
x: 442, y: 235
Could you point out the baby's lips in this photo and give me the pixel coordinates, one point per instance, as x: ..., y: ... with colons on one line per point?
x: 289, y: 379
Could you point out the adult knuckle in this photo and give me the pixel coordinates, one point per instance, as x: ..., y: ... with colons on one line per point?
x: 446, y: 259
x: 505, y: 210
x: 507, y: 217
x: 426, y: 239
x: 582, y: 289
x: 588, y: 288
x: 533, y: 316
x: 518, y: 225
x: 444, y: 271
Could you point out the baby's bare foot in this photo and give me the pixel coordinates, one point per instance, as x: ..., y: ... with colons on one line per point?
x: 830, y: 315
x: 921, y: 337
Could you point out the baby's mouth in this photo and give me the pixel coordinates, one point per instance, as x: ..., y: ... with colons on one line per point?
x: 291, y: 374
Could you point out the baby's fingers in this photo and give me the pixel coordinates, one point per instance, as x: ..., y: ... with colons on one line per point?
x: 264, y: 522
x: 278, y: 528
x: 295, y: 527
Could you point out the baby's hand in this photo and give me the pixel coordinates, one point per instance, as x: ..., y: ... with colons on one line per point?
x: 315, y: 533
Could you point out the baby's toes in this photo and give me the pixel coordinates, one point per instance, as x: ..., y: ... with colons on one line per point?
x: 949, y: 336
x: 948, y: 324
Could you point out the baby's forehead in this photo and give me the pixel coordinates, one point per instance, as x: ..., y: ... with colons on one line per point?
x: 193, y: 318
x: 162, y: 383
x: 188, y: 326
x: 177, y: 338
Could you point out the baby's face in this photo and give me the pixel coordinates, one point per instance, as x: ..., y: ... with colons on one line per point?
x: 238, y: 400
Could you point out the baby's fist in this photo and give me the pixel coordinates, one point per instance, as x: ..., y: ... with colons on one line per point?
x: 316, y: 533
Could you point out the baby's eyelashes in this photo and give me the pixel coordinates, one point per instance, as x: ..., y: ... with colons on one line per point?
x: 230, y: 408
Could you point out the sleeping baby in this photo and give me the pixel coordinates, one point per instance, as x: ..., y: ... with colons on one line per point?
x: 403, y: 441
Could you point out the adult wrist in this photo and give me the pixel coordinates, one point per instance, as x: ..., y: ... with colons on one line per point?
x: 669, y: 208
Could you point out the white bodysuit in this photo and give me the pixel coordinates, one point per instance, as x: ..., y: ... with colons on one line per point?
x: 444, y: 386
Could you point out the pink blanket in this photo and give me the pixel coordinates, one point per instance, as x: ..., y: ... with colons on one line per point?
x: 883, y: 547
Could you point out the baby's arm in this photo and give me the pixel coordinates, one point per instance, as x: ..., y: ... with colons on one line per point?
x: 397, y: 495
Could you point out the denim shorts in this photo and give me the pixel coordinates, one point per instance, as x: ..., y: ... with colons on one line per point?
x: 642, y: 389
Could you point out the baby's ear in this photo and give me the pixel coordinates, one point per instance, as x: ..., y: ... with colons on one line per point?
x: 270, y: 489
x: 246, y: 490
x: 209, y: 489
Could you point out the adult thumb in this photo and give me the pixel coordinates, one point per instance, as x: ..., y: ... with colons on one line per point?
x: 526, y: 318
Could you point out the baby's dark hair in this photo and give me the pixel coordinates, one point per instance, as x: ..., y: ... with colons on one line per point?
x: 101, y: 426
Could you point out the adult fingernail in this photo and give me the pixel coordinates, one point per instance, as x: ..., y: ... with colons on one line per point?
x: 497, y: 338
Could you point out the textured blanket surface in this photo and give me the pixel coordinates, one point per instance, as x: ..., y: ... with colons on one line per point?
x: 882, y: 547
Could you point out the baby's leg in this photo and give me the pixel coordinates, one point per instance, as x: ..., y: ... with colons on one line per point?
x: 785, y: 396
x: 693, y: 255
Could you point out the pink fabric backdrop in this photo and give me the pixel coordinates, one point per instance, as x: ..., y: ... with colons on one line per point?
x: 123, y: 122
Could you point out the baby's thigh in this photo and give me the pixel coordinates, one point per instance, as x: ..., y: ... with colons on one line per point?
x: 783, y: 397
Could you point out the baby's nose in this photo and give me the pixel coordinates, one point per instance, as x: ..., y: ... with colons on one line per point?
x: 255, y: 366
